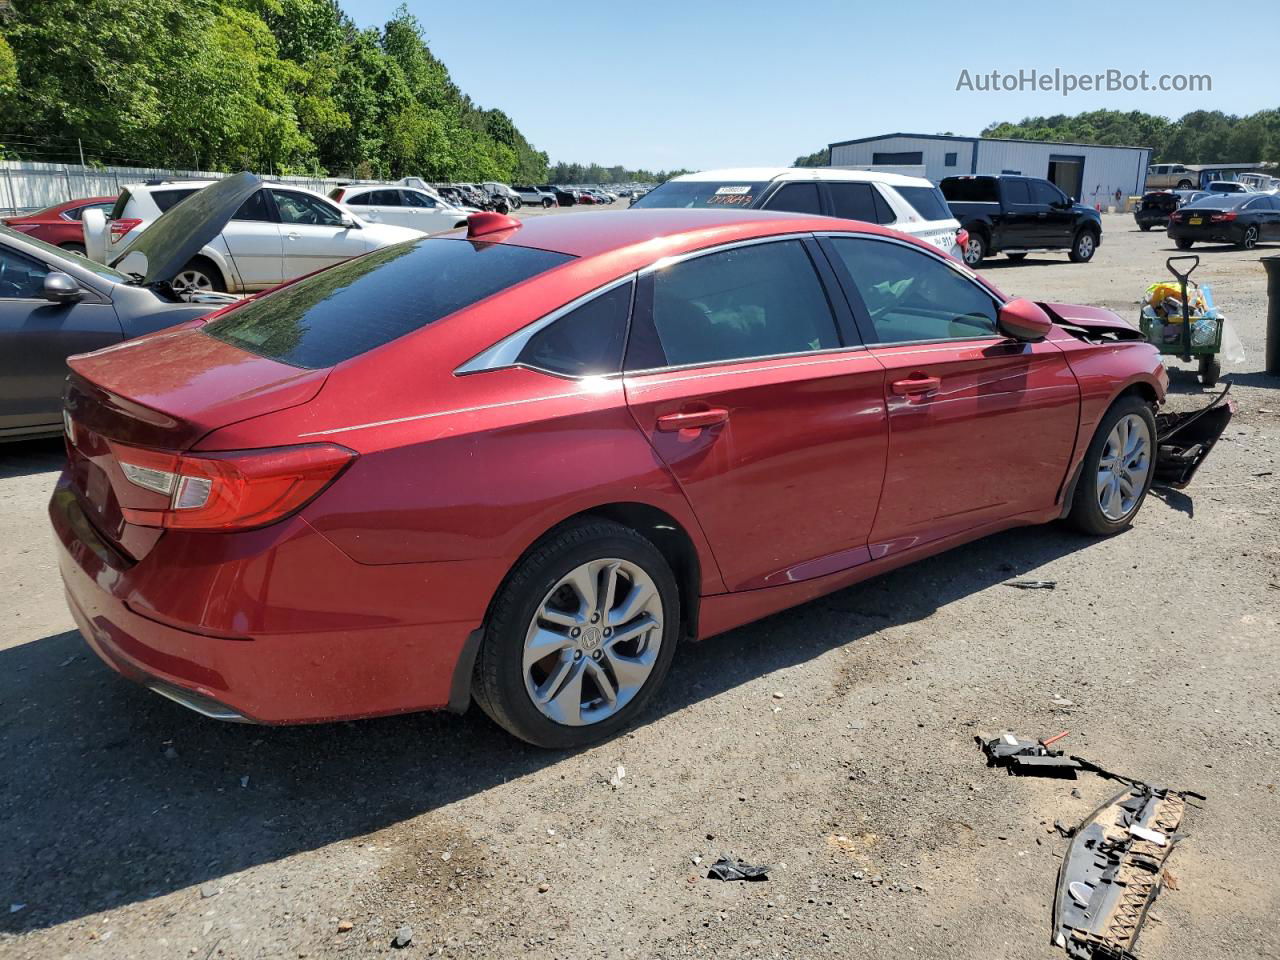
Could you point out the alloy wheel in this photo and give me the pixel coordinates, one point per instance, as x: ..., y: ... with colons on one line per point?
x: 1250, y: 238
x: 1084, y: 247
x: 191, y: 280
x: 1123, y: 467
x: 593, y: 642
x: 973, y: 251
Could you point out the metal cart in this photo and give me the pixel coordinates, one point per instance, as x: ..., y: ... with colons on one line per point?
x: 1184, y: 347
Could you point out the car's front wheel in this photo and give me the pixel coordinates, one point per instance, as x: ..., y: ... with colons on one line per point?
x: 1117, y: 469
x: 580, y: 636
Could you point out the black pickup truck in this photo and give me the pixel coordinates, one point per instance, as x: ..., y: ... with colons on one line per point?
x: 1015, y: 215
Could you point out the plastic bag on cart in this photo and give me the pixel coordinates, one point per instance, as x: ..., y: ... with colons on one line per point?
x: 1232, y: 349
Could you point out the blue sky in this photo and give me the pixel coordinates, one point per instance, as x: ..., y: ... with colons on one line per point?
x: 699, y: 84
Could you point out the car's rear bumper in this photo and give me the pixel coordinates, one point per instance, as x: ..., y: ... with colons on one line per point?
x: 323, y: 653
x: 1206, y: 233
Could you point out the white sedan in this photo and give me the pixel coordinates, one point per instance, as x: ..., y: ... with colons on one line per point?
x: 278, y: 233
x: 403, y: 206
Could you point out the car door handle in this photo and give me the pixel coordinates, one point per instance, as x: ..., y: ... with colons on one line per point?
x: 692, y: 420
x: 293, y: 235
x: 916, y: 386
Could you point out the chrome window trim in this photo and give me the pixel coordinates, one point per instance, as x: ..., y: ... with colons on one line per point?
x: 738, y: 361
x: 506, y: 351
x: 663, y: 262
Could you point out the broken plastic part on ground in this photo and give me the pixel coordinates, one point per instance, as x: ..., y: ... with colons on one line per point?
x: 726, y: 869
x: 1113, y: 870
x: 1184, y: 440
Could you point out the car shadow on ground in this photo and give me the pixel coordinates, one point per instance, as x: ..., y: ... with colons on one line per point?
x: 114, y: 795
x: 24, y: 458
x: 1030, y: 260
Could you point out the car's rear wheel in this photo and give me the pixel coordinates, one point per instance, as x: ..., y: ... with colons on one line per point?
x: 1145, y: 227
x: 1250, y: 238
x: 1184, y: 184
x: 547, y: 203
x: 1117, y: 469
x: 198, y: 276
x: 1183, y: 244
x: 976, y: 249
x: 1084, y: 247
x: 579, y: 637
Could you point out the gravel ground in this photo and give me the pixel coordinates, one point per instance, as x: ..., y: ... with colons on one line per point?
x: 833, y: 741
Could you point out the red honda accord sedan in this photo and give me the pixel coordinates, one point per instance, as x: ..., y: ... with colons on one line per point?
x: 521, y: 463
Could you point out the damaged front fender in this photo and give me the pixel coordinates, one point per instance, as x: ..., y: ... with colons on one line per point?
x: 1184, y: 440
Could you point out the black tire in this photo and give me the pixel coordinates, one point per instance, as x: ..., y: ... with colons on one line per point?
x: 1183, y: 244
x: 1249, y: 239
x: 72, y: 248
x: 975, y: 250
x: 547, y: 203
x: 1084, y: 246
x: 1016, y: 256
x: 1185, y: 184
x: 498, y: 682
x: 516, y: 203
x: 1086, y: 513
x: 1145, y: 227
x: 1210, y: 370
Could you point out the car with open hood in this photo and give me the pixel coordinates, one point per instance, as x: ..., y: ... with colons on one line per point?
x: 54, y: 303
x: 267, y: 234
x: 520, y: 464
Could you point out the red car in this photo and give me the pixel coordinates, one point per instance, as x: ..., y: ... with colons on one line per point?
x: 60, y: 226
x: 522, y: 463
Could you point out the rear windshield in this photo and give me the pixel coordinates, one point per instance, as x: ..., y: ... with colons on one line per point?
x: 703, y: 193
x: 356, y: 306
x: 1221, y: 201
x: 970, y: 190
x: 927, y: 201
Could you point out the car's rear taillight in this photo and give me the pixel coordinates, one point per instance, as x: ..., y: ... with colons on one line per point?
x: 228, y: 491
x: 962, y: 238
x: 337, y: 195
x: 1221, y: 217
x: 122, y: 226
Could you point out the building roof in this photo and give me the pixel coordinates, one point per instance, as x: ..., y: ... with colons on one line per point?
x: 948, y: 136
x: 763, y: 174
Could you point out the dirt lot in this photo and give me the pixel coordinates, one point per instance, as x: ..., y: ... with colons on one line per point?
x: 833, y: 741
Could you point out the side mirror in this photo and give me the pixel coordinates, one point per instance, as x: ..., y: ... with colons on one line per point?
x: 60, y: 288
x: 1024, y: 320
x: 349, y: 223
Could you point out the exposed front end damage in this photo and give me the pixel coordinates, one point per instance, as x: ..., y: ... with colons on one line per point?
x: 1184, y: 440
x: 1113, y: 870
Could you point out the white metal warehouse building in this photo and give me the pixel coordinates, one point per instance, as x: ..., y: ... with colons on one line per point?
x: 1088, y: 172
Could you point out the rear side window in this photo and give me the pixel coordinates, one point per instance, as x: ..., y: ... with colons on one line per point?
x: 1015, y: 191
x: 359, y: 200
x: 926, y: 201
x: 755, y: 301
x: 585, y: 342
x: 854, y: 201
x: 167, y: 198
x: 356, y: 306
x: 255, y: 208
x: 796, y: 198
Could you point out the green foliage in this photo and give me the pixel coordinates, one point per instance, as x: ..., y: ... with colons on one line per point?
x: 1202, y: 136
x: 594, y: 173
x: 288, y: 86
x: 819, y: 158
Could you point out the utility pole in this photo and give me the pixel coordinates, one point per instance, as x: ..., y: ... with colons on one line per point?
x: 81, y: 146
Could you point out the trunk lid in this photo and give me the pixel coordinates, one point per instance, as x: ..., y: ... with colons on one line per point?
x: 162, y: 392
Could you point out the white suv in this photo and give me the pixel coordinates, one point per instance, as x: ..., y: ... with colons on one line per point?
x: 534, y: 197
x: 279, y: 233
x: 910, y: 204
x: 403, y: 206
